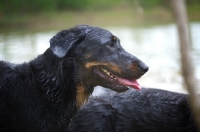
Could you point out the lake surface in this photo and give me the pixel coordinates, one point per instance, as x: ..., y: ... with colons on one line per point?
x: 157, y: 46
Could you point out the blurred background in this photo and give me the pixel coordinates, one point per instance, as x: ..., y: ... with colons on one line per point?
x: 146, y: 29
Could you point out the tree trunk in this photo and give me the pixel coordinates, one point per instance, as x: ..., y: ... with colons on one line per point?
x: 180, y: 13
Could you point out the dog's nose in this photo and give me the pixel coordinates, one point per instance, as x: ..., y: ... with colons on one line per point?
x: 144, y: 68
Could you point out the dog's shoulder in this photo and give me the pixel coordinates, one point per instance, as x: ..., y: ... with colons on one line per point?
x: 4, y: 64
x: 5, y: 69
x: 9, y: 71
x: 7, y: 66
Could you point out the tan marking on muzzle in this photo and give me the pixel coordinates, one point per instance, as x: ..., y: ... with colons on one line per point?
x: 134, y: 67
x: 81, y: 96
x: 91, y: 64
x: 111, y: 66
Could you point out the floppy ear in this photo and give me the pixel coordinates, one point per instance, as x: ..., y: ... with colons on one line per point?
x: 61, y: 43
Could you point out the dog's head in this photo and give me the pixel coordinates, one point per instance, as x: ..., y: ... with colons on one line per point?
x: 99, y: 59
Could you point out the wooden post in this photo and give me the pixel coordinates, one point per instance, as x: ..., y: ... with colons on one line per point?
x: 179, y: 9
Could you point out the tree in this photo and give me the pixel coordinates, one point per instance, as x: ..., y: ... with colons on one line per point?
x: 179, y: 10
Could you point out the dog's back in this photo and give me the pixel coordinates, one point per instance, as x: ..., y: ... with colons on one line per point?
x: 147, y: 110
x: 11, y: 74
x: 5, y: 74
x: 11, y: 91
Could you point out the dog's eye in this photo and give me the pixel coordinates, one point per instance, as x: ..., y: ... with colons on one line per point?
x: 111, y: 44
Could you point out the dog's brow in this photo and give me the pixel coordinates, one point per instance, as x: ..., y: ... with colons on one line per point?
x: 114, y: 38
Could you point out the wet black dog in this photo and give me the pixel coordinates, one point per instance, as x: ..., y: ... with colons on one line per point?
x: 45, y: 93
x: 147, y: 110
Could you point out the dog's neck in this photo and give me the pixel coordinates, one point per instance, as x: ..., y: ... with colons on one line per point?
x: 54, y: 78
x: 53, y: 73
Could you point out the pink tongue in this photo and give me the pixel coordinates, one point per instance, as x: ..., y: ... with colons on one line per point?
x: 131, y: 83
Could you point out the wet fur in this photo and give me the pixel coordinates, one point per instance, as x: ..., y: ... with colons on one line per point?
x: 147, y: 110
x: 36, y: 97
x: 44, y: 94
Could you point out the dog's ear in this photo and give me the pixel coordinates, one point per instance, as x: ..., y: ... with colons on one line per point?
x: 61, y: 43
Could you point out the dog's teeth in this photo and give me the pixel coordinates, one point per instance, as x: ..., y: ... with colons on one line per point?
x: 109, y: 74
x: 105, y: 71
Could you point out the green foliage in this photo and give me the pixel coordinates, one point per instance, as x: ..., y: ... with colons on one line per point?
x: 150, y: 3
x: 27, y: 6
x: 193, y: 2
x: 101, y: 4
x: 72, y: 4
x: 33, y: 6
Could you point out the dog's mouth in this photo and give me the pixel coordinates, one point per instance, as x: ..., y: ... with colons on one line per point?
x: 121, y: 84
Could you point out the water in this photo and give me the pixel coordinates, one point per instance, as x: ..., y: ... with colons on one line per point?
x: 157, y: 46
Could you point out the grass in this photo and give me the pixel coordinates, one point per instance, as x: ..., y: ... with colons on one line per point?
x: 109, y: 17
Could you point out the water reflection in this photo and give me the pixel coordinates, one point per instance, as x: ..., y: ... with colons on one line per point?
x: 156, y: 46
x: 19, y: 48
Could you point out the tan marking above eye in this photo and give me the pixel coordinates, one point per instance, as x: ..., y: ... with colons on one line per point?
x: 114, y: 38
x: 88, y: 55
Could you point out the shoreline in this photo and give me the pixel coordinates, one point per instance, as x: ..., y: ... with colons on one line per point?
x: 113, y: 17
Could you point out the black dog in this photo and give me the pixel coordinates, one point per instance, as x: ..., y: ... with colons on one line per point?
x: 45, y: 93
x: 147, y: 110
